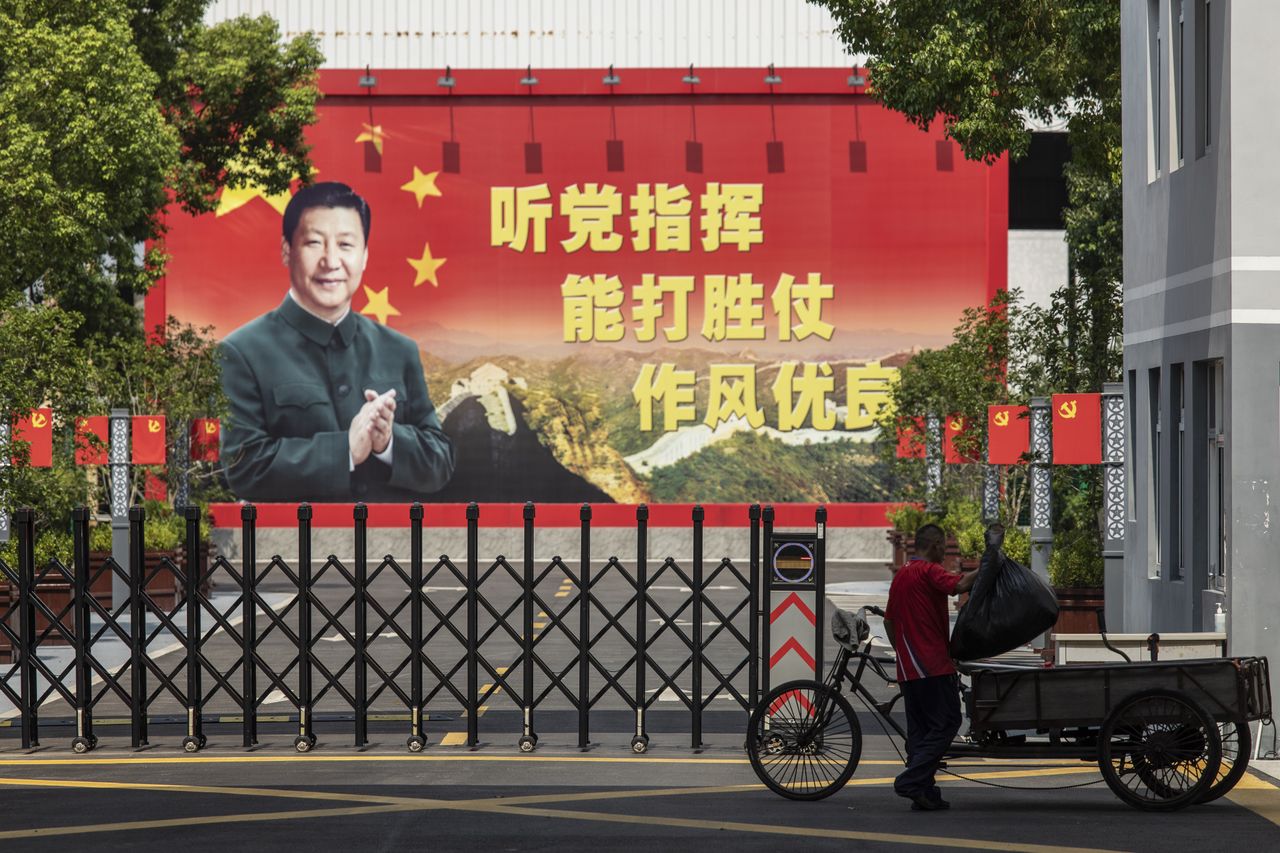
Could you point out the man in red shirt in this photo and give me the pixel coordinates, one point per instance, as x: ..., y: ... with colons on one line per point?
x: 917, y: 624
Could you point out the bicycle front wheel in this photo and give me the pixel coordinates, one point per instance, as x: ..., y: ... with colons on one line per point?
x: 804, y: 740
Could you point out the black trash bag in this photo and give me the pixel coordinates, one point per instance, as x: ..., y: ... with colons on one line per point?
x: 1008, y: 606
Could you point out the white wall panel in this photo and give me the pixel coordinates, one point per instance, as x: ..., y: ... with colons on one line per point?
x: 556, y: 33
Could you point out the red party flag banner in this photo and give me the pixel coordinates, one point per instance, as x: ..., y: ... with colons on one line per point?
x: 911, y: 440
x: 1008, y: 434
x: 206, y: 434
x: 36, y: 429
x: 91, y: 440
x: 1077, y: 429
x: 953, y: 427
x: 148, y: 439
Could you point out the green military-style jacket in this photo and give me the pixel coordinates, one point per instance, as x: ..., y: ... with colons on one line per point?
x: 295, y: 382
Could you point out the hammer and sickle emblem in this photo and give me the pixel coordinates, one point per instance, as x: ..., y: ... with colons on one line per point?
x: 153, y: 425
x: 1002, y: 418
x: 956, y: 425
x: 1068, y: 409
x: 210, y: 427
x: 39, y: 421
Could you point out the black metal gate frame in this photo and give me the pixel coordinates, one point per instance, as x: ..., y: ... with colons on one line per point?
x: 142, y: 679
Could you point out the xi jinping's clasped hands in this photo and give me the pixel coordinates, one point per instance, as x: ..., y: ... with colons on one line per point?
x: 370, y: 431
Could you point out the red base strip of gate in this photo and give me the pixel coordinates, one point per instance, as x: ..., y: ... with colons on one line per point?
x: 554, y: 515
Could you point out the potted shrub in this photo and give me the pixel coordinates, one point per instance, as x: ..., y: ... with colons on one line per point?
x: 1076, y: 572
x: 53, y: 589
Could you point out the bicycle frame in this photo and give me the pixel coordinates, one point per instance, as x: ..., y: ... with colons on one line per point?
x: 840, y: 673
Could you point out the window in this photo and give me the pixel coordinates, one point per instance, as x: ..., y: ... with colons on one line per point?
x: 1216, y: 450
x: 1204, y: 75
x: 1156, y: 93
x: 1178, y: 419
x: 1153, y: 478
x: 1179, y: 34
x: 1131, y: 403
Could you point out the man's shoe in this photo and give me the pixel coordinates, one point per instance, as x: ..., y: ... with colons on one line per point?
x: 921, y: 803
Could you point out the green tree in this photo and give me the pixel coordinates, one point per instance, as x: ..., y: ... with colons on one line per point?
x: 109, y: 109
x: 983, y: 68
x: 44, y: 366
x: 960, y: 380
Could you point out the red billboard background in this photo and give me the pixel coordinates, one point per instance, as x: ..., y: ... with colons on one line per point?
x: 906, y: 230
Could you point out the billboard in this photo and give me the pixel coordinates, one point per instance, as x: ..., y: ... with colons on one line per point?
x: 654, y: 297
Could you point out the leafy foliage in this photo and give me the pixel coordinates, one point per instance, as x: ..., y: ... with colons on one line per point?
x: 961, y: 519
x: 109, y: 110
x: 1076, y: 560
x: 177, y: 377
x: 109, y: 106
x: 982, y: 69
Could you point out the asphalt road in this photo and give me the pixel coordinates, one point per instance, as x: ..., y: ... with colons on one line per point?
x: 451, y: 797
x: 560, y: 798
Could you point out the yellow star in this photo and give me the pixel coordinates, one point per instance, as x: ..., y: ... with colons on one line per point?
x: 422, y: 185
x: 379, y: 304
x: 426, y: 267
x: 233, y: 198
x: 371, y: 133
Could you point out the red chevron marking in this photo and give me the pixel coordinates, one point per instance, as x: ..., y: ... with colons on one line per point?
x: 792, y: 645
x: 793, y: 600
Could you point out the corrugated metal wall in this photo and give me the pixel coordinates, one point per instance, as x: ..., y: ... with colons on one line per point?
x: 556, y: 33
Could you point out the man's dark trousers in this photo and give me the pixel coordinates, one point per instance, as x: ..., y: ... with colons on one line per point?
x: 933, y: 718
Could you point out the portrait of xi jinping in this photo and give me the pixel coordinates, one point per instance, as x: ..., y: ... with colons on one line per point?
x: 326, y: 404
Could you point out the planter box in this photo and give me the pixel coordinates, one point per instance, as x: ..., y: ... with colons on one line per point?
x: 1078, y: 610
x: 1088, y: 648
x: 56, y: 594
x: 163, y: 587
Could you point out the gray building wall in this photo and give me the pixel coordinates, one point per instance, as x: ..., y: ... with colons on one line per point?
x: 1201, y: 294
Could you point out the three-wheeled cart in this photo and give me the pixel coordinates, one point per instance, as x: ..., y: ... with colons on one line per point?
x: 1165, y: 734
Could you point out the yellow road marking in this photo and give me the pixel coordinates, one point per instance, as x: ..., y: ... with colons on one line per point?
x: 1258, y: 796
x: 185, y: 822
x: 562, y: 594
x: 311, y: 758
x: 230, y: 790
x: 800, y: 831
x: 539, y: 625
x: 1250, y: 782
x: 381, y: 799
x: 516, y: 806
x: 454, y: 739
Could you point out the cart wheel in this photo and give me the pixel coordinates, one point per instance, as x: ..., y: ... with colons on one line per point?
x: 528, y: 743
x: 1159, y: 751
x: 191, y: 744
x: 204, y: 741
x: 804, y: 741
x: 1237, y: 740
x: 416, y: 743
x: 640, y: 744
x: 81, y: 745
x: 304, y: 744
